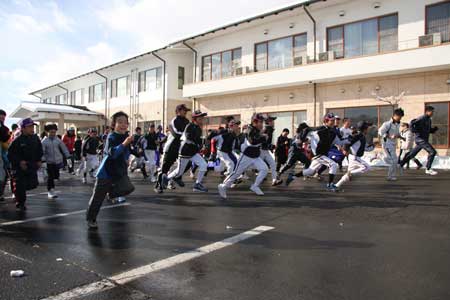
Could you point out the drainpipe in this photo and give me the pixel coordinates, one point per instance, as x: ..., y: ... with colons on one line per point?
x: 195, y: 60
x: 67, y: 92
x: 164, y: 89
x: 315, y: 104
x: 106, y: 96
x: 314, y: 30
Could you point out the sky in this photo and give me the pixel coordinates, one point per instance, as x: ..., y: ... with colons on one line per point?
x: 45, y: 42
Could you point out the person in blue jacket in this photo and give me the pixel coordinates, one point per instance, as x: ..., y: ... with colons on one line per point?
x: 114, y: 164
x: 422, y: 128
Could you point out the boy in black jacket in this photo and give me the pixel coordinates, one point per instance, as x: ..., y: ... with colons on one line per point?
x: 422, y: 129
x: 191, y: 144
x: 25, y: 154
x: 250, y: 157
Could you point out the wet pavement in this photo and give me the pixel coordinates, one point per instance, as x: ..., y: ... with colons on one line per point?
x: 374, y: 240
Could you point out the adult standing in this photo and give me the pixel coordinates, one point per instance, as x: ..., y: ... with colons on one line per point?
x: 422, y: 128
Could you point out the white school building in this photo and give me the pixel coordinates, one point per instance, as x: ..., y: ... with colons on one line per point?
x: 296, y: 63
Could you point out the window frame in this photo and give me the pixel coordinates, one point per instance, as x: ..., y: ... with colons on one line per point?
x: 181, y: 79
x: 293, y: 36
x: 115, y: 87
x: 221, y: 54
x: 443, y: 146
x: 358, y: 21
x: 426, y: 15
x: 158, y: 79
x: 91, y: 95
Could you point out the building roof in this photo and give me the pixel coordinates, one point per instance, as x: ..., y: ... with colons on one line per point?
x: 211, y: 31
x: 29, y: 107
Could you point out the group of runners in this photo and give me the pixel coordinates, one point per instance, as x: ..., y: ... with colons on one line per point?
x: 234, y: 152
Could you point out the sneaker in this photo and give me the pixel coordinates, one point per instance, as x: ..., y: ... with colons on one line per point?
x: 21, y: 207
x: 84, y: 180
x: 121, y: 199
x: 431, y: 172
x: 153, y: 179
x: 256, y: 190
x: 198, y: 187
x: 92, y: 224
x: 222, y: 191
x: 171, y: 185
x: 52, y: 195
x: 158, y: 190
x: 332, y: 187
x: 277, y: 182
x: 289, y: 179
x: 179, y: 181
x: 391, y: 179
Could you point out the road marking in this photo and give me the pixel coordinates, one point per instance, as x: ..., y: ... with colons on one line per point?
x: 58, y: 215
x: 125, y: 277
x: 14, y: 256
x: 33, y: 195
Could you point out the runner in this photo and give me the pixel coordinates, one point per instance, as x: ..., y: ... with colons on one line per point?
x: 389, y: 133
x: 191, y: 144
x: 54, y: 152
x: 69, y: 140
x: 322, y: 139
x: 266, y: 150
x: 89, y: 152
x: 150, y: 145
x: 113, y: 167
x: 224, y: 145
x: 355, y: 150
x: 282, y: 148
x: 422, y: 128
x: 171, y: 149
x: 25, y: 154
x: 406, y: 145
x: 250, y: 157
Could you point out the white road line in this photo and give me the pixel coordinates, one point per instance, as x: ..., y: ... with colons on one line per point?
x: 14, y: 256
x: 33, y: 195
x: 140, y: 272
x: 58, y: 215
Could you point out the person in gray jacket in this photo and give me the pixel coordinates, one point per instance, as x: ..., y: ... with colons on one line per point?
x: 54, y: 153
x: 406, y: 145
x: 389, y: 133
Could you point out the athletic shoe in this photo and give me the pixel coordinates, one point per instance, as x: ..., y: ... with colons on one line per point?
x: 179, y: 181
x: 21, y: 207
x: 419, y: 167
x: 391, y: 179
x: 121, y: 199
x: 277, y: 182
x: 92, y: 224
x: 431, y: 172
x: 52, y: 195
x: 256, y: 190
x: 289, y: 179
x: 158, y: 190
x: 198, y: 187
x: 171, y: 185
x: 222, y: 191
x: 153, y: 179
x: 332, y: 187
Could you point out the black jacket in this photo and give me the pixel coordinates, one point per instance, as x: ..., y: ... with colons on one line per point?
x: 176, y: 127
x: 283, y: 144
x: 191, y: 140
x: 27, y: 148
x: 422, y: 128
x: 151, y: 139
x: 357, y: 144
x: 90, y: 146
x: 267, y: 144
x: 227, y: 141
x: 253, y: 142
x: 322, y: 139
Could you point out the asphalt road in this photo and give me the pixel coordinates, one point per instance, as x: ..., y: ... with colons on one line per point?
x: 374, y: 240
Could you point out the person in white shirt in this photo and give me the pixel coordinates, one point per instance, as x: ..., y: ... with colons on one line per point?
x: 389, y: 133
x: 407, y: 144
x: 345, y: 130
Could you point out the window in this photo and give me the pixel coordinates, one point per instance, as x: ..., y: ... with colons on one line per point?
x: 76, y: 97
x: 216, y: 122
x: 366, y: 37
x: 376, y: 115
x: 289, y: 120
x: 279, y: 53
x: 97, y: 92
x: 441, y: 119
x: 119, y: 87
x: 47, y: 100
x: 145, y: 125
x: 438, y: 20
x: 61, y: 99
x: 180, y: 77
x: 221, y: 65
x: 150, y: 80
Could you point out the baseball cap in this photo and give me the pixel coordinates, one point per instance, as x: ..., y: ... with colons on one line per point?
x: 258, y: 117
x: 26, y: 122
x: 182, y: 107
x: 198, y: 114
x: 329, y: 116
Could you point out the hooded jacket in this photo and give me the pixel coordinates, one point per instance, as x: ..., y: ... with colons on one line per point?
x: 54, y: 150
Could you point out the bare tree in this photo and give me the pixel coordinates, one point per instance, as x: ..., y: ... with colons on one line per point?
x: 393, y: 101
